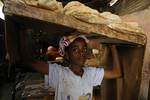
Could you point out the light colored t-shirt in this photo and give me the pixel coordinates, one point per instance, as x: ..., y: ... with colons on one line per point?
x: 69, y: 86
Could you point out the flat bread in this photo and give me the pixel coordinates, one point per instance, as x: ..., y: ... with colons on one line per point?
x: 31, y: 2
x: 126, y: 28
x: 50, y: 4
x: 87, y: 14
x: 46, y: 4
x: 84, y: 13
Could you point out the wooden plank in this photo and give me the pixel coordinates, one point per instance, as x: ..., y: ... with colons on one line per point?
x: 145, y: 81
x: 119, y: 87
x: 14, y: 8
x: 132, y: 62
x: 11, y: 36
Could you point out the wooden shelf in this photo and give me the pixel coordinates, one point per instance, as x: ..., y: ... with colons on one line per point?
x: 11, y: 7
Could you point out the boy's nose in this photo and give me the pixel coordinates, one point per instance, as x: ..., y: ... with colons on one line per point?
x: 83, y: 53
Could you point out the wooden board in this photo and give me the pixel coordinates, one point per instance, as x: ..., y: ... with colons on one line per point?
x: 12, y: 7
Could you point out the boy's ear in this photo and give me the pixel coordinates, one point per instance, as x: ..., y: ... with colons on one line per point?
x: 66, y: 56
x: 66, y: 61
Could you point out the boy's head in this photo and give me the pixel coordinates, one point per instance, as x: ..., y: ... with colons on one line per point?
x: 75, y: 48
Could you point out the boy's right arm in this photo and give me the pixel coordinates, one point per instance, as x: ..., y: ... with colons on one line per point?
x: 115, y: 72
x: 40, y: 66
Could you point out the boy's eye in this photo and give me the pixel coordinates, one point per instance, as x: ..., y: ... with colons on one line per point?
x: 79, y: 50
x: 85, y: 49
x: 75, y: 49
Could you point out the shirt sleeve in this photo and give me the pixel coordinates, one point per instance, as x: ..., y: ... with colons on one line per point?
x: 53, y: 74
x: 97, y: 76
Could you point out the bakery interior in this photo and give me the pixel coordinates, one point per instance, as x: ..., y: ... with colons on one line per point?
x: 30, y: 31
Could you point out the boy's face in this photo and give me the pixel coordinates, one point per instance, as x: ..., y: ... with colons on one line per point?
x: 77, y: 52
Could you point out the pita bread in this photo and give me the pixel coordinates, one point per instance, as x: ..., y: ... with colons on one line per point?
x: 50, y: 4
x: 84, y: 13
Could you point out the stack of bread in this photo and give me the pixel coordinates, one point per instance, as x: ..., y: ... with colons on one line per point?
x: 52, y: 5
x: 87, y: 14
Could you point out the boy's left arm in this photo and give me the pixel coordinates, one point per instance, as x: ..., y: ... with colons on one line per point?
x: 115, y: 72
